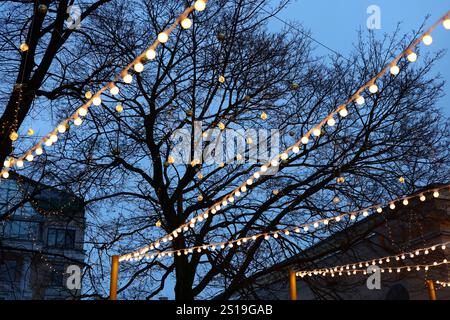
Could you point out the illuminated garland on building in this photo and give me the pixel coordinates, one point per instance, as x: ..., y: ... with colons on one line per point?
x: 352, y: 268
x: 289, y: 231
x: 316, y: 131
x: 95, y: 99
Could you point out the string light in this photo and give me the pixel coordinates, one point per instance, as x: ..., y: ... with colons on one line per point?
x: 186, y: 23
x: 287, y: 231
x: 412, y: 57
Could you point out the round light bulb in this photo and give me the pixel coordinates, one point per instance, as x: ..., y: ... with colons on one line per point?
x: 264, y: 168
x: 427, y: 39
x: 150, y: 54
x: 19, y: 164
x: 373, y: 88
x: 395, y: 70
x: 39, y: 151
x: 88, y: 95
x: 163, y: 37
x: 119, y: 108
x: 412, y: 57
x: 114, y: 90
x: 186, y: 23
x: 422, y: 198
x: 446, y: 23
x: 317, y: 132
x: 82, y: 111
x: 61, y: 128
x: 436, y: 194
x: 96, y: 101
x: 343, y: 112
x: 128, y: 78
x: 29, y: 157
x: 49, y: 142
x: 284, y: 156
x: 54, y: 138
x: 360, y: 100
x: 295, y: 149
x: 76, y: 122
x: 305, y: 140
x: 200, y: 5
x: 331, y: 122
x: 139, y: 67
x: 5, y: 174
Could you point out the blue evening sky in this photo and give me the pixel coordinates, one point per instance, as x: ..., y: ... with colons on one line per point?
x: 335, y: 23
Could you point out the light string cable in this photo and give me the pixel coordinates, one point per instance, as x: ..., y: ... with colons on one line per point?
x: 342, y: 110
x: 123, y: 76
x: 291, y: 230
x: 354, y: 268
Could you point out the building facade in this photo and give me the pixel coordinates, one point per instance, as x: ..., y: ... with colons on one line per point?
x: 41, y: 235
x: 405, y: 229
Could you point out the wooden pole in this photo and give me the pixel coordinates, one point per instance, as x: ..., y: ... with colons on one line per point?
x: 292, y: 285
x: 431, y: 290
x: 114, y: 278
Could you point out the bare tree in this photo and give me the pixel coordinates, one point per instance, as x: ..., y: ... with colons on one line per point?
x: 119, y: 162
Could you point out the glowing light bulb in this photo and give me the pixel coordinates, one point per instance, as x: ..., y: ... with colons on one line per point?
x: 139, y: 67
x: 19, y: 164
x: 13, y: 136
x: 49, y: 142
x: 186, y: 23
x: 29, y: 157
x: 221, y: 126
x: 373, y: 88
x: 365, y: 213
x: 343, y: 112
x: 295, y: 149
x: 96, y: 101
x: 392, y: 206
x: 5, y: 174
x: 82, y: 112
x: 395, y: 70
x: 305, y: 140
x: 163, y: 37
x: 427, y: 40
x: 61, y: 128
x: 128, y: 78
x: 54, y: 138
x: 256, y: 175
x: 436, y: 194
x: 221, y: 79
x: 412, y: 57
x: 284, y: 156
x: 150, y: 54
x: 114, y: 90
x: 23, y: 47
x: 274, y: 163
x: 39, y: 151
x: 264, y: 168
x: 422, y: 198
x: 331, y: 122
x: 360, y: 100
x: 379, y: 210
x: 7, y: 163
x: 249, y: 182
x: 88, y: 95
x: 119, y: 108
x: 405, y: 202
x: 76, y: 122
x: 264, y: 116
x: 200, y: 5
